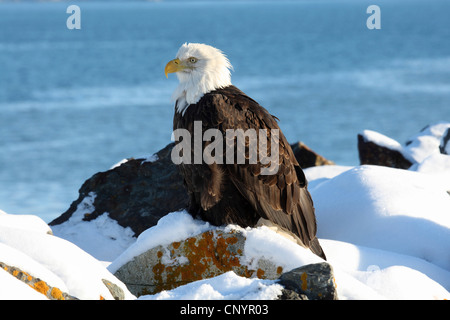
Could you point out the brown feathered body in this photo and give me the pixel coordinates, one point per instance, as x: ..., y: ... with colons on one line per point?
x: 239, y: 193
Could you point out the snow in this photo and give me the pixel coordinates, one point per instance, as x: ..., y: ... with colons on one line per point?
x: 396, y: 210
x: 71, y: 269
x: 14, y: 289
x: 109, y: 237
x: 25, y: 222
x: 381, y: 140
x: 146, y: 158
x: 385, y: 231
x: 264, y: 242
x: 152, y: 158
x: 426, y: 142
x: 402, y: 281
x: 227, y: 286
x: 118, y: 164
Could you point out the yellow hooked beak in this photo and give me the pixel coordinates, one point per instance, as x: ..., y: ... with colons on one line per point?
x: 174, y: 66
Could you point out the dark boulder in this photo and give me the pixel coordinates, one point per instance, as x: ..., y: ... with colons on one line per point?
x: 136, y: 194
x: 309, y: 282
x: 444, y: 146
x: 307, y: 157
x: 372, y: 153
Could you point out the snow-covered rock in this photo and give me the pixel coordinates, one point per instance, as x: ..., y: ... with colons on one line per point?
x: 156, y: 263
x: 358, y: 269
x: 56, y: 261
x: 378, y: 149
x: 24, y: 222
x: 426, y: 142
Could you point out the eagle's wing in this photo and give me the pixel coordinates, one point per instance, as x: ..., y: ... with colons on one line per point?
x: 281, y: 198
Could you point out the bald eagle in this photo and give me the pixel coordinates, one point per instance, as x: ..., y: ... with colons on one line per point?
x: 224, y: 192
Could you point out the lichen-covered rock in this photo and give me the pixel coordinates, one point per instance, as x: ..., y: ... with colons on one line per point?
x: 41, y: 286
x: 115, y: 290
x: 54, y: 293
x: 310, y: 282
x: 206, y: 255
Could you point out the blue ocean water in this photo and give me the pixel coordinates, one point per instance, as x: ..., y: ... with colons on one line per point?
x: 75, y: 102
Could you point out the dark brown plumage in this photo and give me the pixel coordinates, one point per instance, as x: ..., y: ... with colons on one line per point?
x: 238, y: 193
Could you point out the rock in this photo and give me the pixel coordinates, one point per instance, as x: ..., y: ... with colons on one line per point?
x: 425, y: 151
x: 41, y: 286
x: 430, y: 140
x: 54, y: 293
x: 287, y: 294
x: 215, y: 252
x: 136, y: 193
x: 310, y: 282
x: 444, y: 146
x: 372, y: 153
x: 206, y: 255
x: 307, y: 157
x: 115, y: 290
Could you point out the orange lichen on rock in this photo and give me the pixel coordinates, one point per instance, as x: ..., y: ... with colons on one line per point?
x: 41, y: 287
x: 37, y: 284
x: 260, y: 273
x: 334, y: 282
x: 232, y: 240
x: 203, y: 256
x: 176, y: 245
x: 57, y: 294
x: 304, y: 276
x: 208, y: 255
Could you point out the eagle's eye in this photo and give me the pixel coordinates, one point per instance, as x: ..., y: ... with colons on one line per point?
x: 193, y: 60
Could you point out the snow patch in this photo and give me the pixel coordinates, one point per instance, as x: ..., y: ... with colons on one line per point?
x: 227, y: 286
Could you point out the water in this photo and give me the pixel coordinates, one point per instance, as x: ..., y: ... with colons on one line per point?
x: 75, y: 102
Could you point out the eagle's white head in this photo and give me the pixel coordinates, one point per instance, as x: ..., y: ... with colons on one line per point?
x: 200, y: 69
